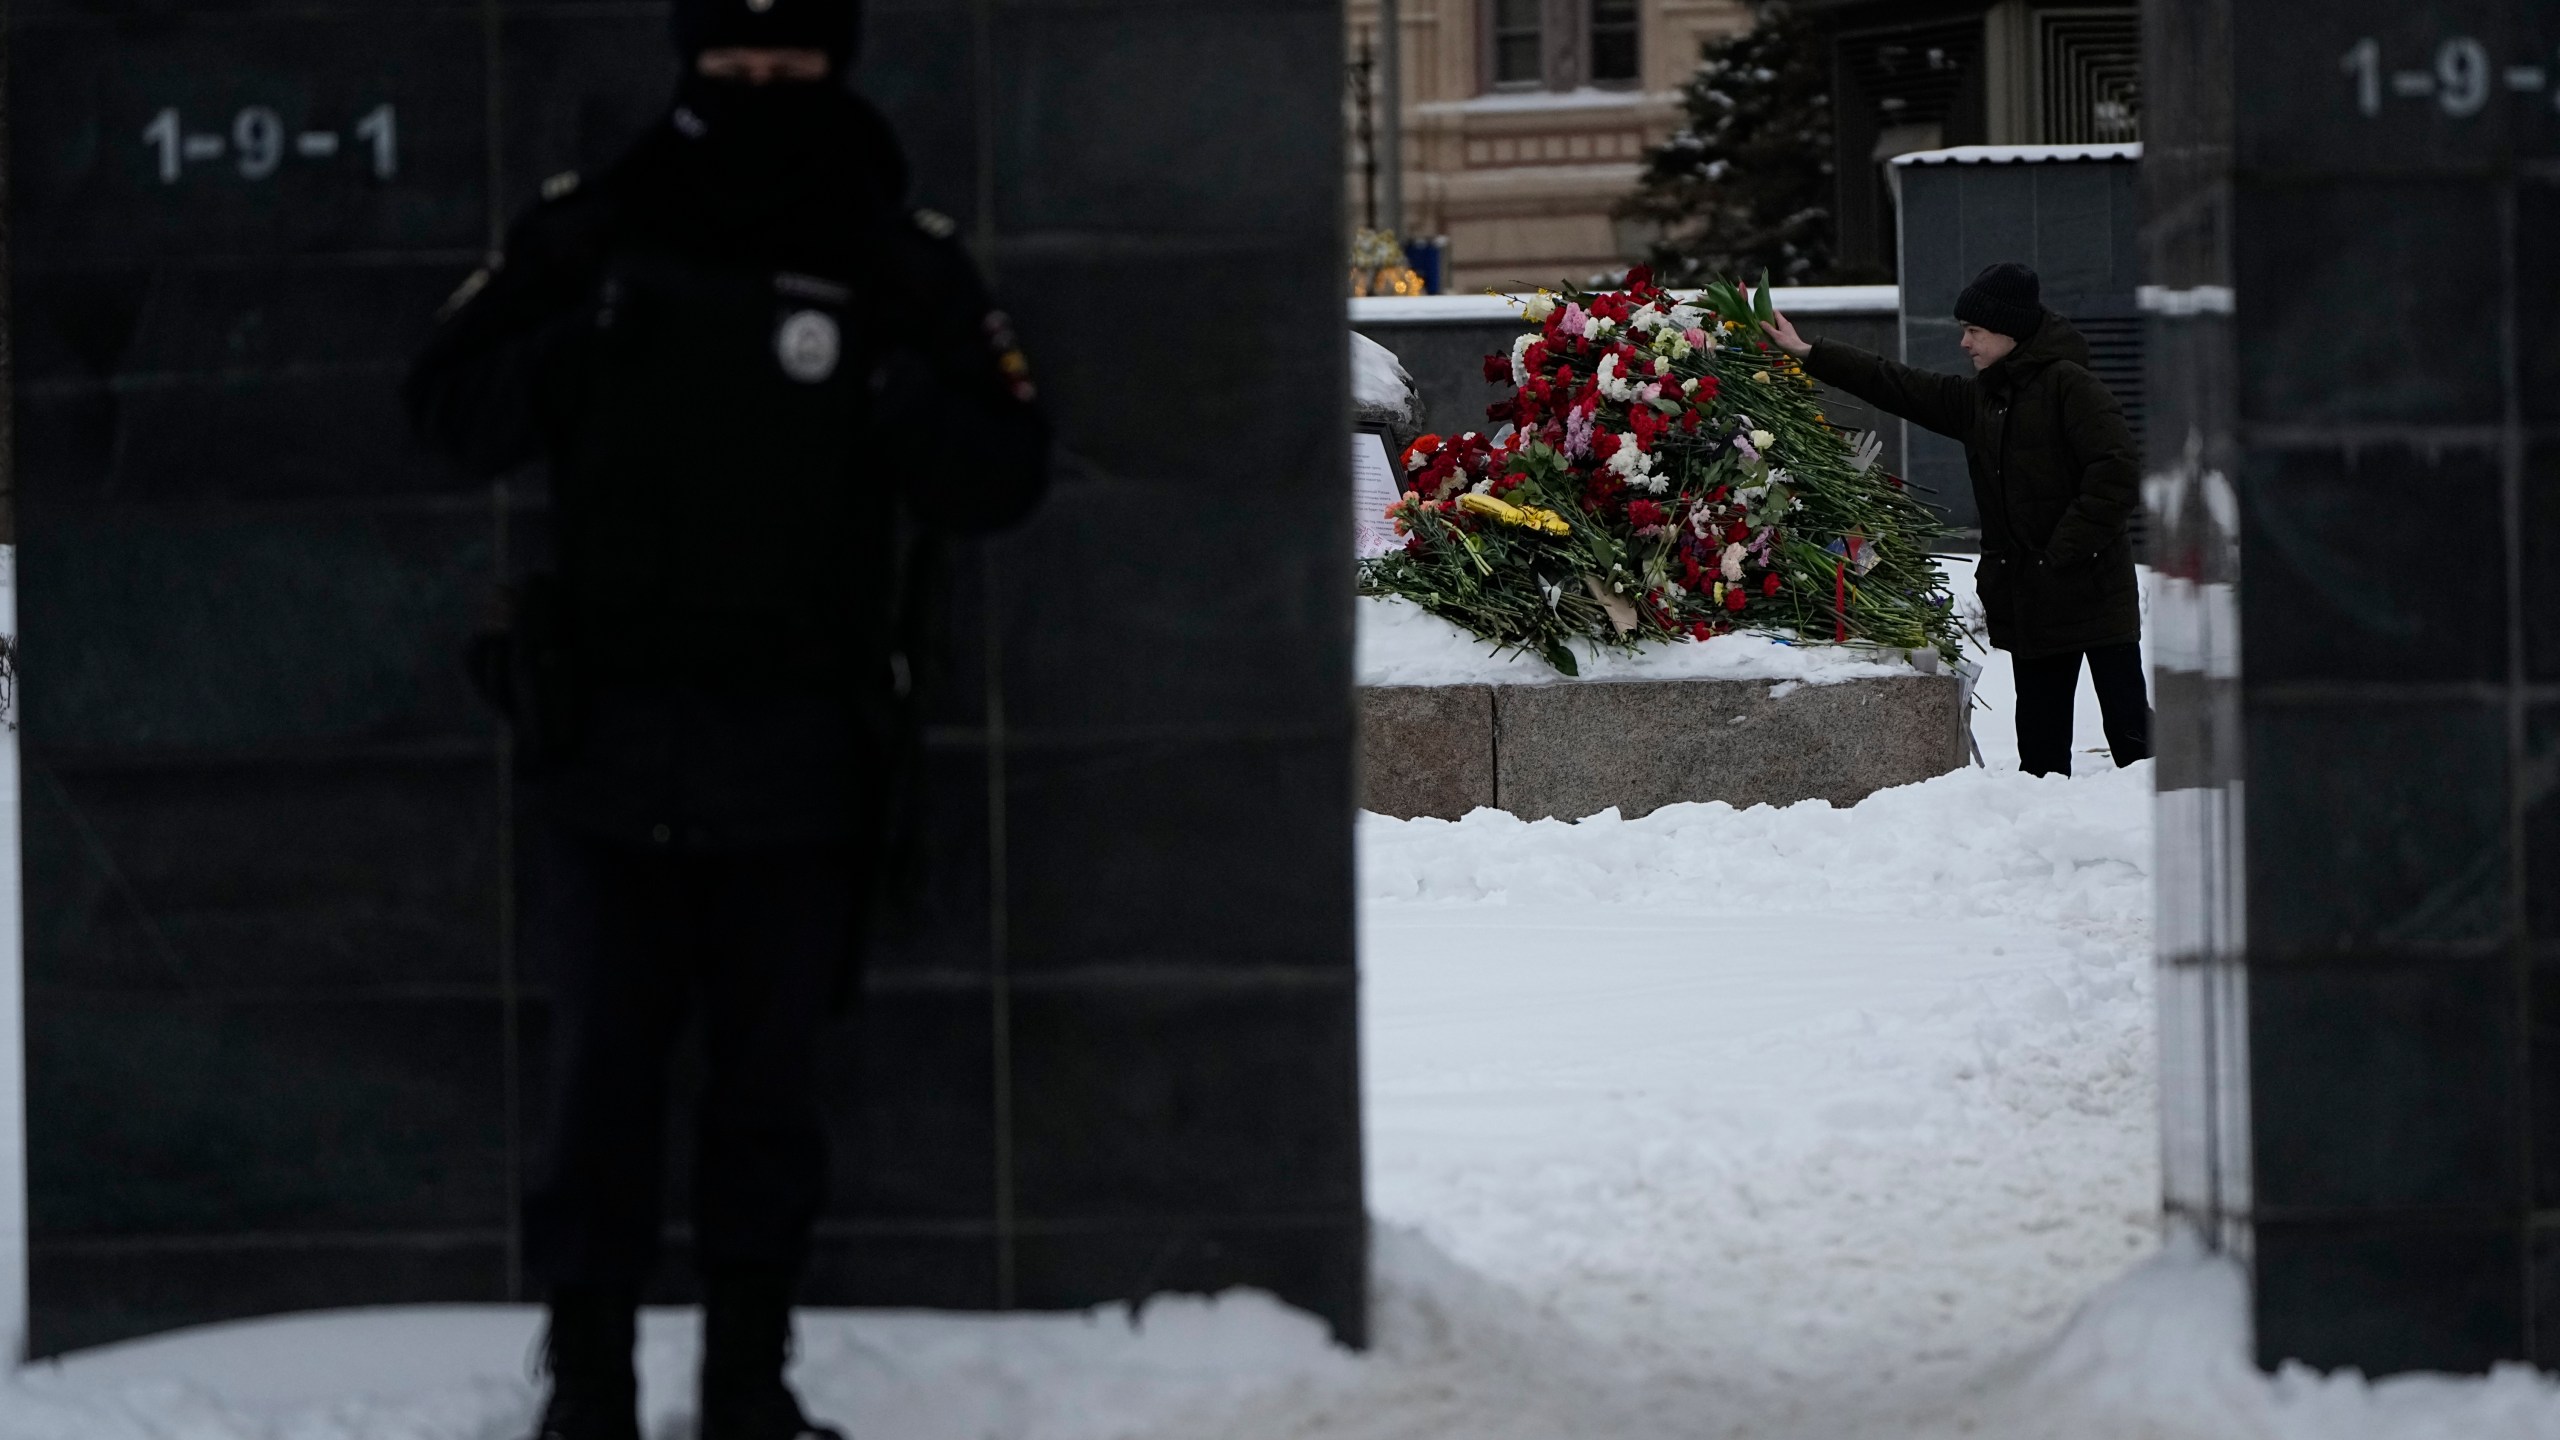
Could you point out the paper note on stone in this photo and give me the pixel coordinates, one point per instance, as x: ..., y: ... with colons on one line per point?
x: 1622, y: 612
x: 1373, y: 491
x: 1868, y: 450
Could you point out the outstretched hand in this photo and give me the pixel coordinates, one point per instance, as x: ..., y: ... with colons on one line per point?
x: 1783, y: 331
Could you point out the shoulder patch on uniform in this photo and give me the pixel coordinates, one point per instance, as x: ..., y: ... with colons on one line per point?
x: 937, y: 224
x: 561, y: 185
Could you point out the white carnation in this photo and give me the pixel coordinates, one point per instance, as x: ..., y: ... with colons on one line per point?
x: 1732, y: 565
x: 1613, y: 384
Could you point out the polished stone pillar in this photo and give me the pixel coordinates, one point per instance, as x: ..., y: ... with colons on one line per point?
x: 282, y: 1049
x: 2354, y: 290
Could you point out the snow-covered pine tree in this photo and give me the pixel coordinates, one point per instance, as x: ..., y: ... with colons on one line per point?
x: 1745, y: 185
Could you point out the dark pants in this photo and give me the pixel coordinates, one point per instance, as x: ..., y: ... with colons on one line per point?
x: 2046, y: 688
x: 634, y: 942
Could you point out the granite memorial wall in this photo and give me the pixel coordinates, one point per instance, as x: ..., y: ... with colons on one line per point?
x: 280, y: 1040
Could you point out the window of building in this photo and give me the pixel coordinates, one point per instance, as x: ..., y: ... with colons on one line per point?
x: 1562, y: 44
x: 1519, y: 42
x: 1613, y: 41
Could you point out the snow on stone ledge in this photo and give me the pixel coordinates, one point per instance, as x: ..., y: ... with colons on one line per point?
x: 1378, y: 378
x: 1400, y: 643
x: 1478, y: 309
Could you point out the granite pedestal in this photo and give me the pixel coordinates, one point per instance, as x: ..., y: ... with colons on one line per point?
x: 1575, y: 749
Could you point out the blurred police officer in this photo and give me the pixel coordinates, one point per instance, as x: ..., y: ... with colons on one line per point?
x: 750, y: 369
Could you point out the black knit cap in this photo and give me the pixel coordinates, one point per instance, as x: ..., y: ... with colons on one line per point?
x: 834, y: 26
x: 2004, y: 298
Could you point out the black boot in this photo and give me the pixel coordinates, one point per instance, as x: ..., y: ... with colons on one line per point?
x: 595, y: 1393
x: 746, y: 1341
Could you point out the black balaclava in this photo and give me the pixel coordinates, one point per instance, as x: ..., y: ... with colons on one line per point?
x: 833, y: 26
x: 766, y: 124
x: 782, y: 169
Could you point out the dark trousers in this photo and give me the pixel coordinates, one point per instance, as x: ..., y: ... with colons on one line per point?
x: 2046, y: 688
x: 634, y: 942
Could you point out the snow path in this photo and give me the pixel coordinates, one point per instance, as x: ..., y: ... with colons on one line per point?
x: 1715, y: 1123
x: 1800, y: 1115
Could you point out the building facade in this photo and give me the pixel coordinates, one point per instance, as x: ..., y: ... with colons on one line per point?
x: 1913, y: 75
x: 1525, y: 122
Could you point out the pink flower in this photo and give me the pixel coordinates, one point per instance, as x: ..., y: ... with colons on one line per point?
x: 1577, y: 433
x: 1696, y: 337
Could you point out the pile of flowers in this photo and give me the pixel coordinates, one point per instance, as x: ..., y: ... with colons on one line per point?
x: 1661, y: 472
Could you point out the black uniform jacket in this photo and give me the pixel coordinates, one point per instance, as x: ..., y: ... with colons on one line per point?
x: 2055, y: 476
x: 751, y: 371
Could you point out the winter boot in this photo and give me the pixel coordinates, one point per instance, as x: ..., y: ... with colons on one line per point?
x: 595, y: 1393
x: 746, y: 1342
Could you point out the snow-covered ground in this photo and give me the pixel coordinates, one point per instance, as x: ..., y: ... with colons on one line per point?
x: 1772, y: 1123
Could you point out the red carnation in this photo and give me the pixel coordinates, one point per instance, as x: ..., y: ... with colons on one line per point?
x: 1769, y: 583
x: 1707, y: 387
x: 1737, y: 532
x: 1640, y: 277
x: 1502, y: 411
x: 1497, y: 368
x: 1733, y: 598
x: 1644, y: 513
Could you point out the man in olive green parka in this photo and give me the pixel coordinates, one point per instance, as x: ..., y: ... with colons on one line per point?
x: 2055, y: 475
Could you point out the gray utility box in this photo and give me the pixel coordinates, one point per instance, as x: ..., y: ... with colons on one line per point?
x: 2070, y: 212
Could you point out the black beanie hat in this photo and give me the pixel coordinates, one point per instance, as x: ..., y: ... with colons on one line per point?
x: 834, y: 26
x: 2004, y: 298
